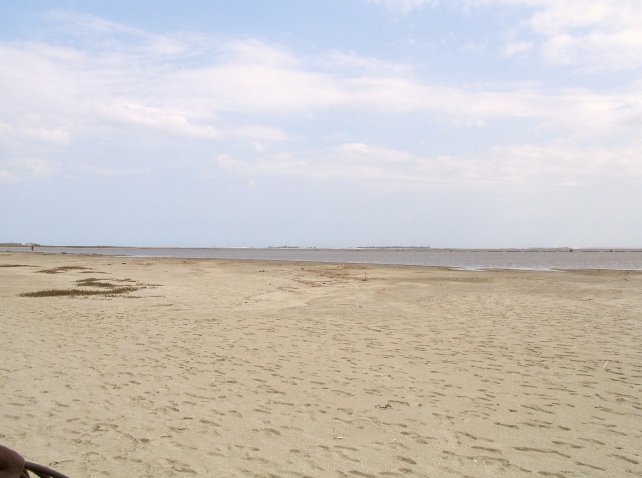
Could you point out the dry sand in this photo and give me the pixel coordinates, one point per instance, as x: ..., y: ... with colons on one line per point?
x: 230, y: 368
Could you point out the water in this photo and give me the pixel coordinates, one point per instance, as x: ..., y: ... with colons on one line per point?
x: 524, y: 259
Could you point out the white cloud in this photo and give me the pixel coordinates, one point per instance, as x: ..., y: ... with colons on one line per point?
x: 516, y: 165
x: 105, y: 32
x: 568, y: 164
x: 114, y: 172
x: 12, y: 133
x: 601, y: 34
x: 274, y: 163
x: 54, y: 97
x: 592, y: 34
x: 15, y: 168
x: 404, y: 5
x: 253, y: 132
x: 134, y: 87
x: 256, y: 53
x: 517, y: 48
x: 161, y: 119
x: 360, y: 152
x: 7, y: 176
x: 250, y: 87
x: 352, y: 63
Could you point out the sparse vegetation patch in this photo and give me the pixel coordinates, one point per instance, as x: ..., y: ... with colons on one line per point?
x: 89, y: 286
x: 78, y: 292
x: 58, y: 270
x: 93, y: 282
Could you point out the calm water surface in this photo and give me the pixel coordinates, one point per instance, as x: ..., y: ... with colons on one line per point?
x: 456, y: 258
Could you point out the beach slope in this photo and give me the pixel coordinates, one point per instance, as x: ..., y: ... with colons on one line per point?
x: 171, y: 367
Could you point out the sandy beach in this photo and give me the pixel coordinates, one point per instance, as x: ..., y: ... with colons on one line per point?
x: 245, y: 368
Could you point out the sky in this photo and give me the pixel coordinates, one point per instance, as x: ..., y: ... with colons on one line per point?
x: 326, y: 123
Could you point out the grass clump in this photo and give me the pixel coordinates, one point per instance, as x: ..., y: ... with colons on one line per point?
x: 94, y: 282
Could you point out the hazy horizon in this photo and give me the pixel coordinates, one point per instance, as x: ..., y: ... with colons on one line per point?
x: 345, y: 123
x: 285, y: 246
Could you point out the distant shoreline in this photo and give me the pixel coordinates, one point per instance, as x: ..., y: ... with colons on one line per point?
x: 357, y: 248
x: 552, y: 259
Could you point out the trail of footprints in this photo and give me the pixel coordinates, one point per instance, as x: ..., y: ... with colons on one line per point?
x: 349, y: 381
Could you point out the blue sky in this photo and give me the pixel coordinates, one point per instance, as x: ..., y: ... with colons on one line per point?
x: 460, y: 123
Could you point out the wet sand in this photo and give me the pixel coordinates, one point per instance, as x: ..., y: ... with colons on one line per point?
x: 241, y: 368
